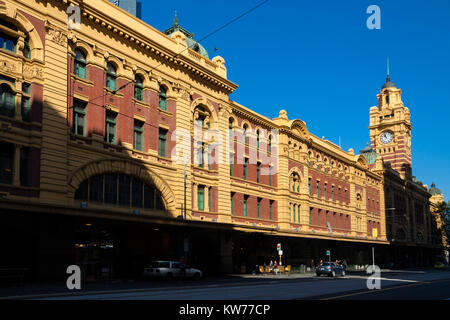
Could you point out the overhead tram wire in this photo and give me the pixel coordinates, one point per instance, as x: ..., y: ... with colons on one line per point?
x: 176, y: 55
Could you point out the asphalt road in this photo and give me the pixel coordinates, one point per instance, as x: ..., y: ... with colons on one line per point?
x: 394, y: 285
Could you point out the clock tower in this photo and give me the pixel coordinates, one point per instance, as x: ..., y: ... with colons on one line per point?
x: 390, y: 129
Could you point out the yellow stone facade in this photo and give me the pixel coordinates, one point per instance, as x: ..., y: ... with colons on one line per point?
x: 194, y: 83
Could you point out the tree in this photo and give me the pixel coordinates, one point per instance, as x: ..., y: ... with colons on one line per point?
x: 443, y: 209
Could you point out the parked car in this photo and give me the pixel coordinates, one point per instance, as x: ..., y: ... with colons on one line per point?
x: 171, y: 269
x: 330, y: 269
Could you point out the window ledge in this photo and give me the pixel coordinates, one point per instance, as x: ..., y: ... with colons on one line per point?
x: 167, y: 113
x: 140, y: 103
x: 113, y: 93
x: 81, y: 80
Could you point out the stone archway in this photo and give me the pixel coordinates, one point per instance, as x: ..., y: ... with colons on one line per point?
x: 124, y: 167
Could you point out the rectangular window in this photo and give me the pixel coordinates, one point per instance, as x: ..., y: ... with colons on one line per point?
x: 259, y: 207
x: 293, y: 212
x: 232, y: 203
x: 136, y: 193
x: 298, y: 213
x: 201, y: 198
x: 6, y: 163
x: 245, y: 205
x: 339, y: 194
x: 200, y: 160
x: 325, y: 190
x: 96, y: 189
x: 271, y: 210
x: 231, y: 164
x: 138, y: 133
x: 7, y: 42
x: 310, y: 215
x: 245, y: 168
x: 332, y: 193
x: 111, y: 127
x: 79, y: 117
x: 318, y: 216
x: 209, y: 199
x: 111, y: 188
x: 258, y: 172
x: 124, y: 190
x: 25, y: 166
x: 26, y: 107
x: 318, y: 188
x: 270, y: 176
x: 309, y: 186
x: 209, y: 157
x: 149, y: 197
x: 162, y: 145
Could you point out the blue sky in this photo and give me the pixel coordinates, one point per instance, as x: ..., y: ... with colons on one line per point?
x: 320, y: 62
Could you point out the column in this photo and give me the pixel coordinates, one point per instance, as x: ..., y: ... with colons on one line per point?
x: 195, y: 191
x: 206, y: 195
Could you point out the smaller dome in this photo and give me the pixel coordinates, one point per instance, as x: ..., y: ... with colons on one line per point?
x: 388, y: 84
x: 191, y: 43
x: 434, y: 191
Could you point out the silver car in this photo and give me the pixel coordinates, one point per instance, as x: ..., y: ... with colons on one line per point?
x: 171, y: 269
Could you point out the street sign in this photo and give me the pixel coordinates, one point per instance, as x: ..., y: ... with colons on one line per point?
x: 278, y: 246
x: 280, y: 253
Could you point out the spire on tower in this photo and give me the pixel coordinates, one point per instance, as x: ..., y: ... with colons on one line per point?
x: 388, y: 83
x: 388, y: 77
x: 175, y: 19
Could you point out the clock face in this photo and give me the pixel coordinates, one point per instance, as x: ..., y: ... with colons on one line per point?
x: 386, y: 137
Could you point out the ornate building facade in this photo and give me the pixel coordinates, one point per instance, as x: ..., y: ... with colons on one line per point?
x: 120, y: 144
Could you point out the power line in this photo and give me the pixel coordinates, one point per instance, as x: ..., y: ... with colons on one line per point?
x: 205, y: 37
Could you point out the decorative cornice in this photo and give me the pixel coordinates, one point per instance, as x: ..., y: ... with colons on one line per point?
x: 154, y: 48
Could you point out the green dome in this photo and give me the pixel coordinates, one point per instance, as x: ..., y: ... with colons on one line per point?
x: 434, y: 191
x: 388, y: 84
x: 191, y: 43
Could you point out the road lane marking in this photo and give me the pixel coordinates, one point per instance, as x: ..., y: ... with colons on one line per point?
x: 372, y: 291
x: 390, y: 288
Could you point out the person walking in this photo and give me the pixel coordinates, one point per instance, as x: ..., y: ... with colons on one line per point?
x: 275, y: 267
x: 271, y: 266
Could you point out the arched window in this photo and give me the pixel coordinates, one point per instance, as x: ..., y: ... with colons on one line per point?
x: 294, y: 182
x: 269, y: 145
x: 257, y: 139
x: 244, y: 135
x: 80, y: 64
x: 400, y: 235
x: 139, y: 88
x: 120, y: 190
x: 7, y: 101
x: 162, y: 98
x: 111, y: 77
